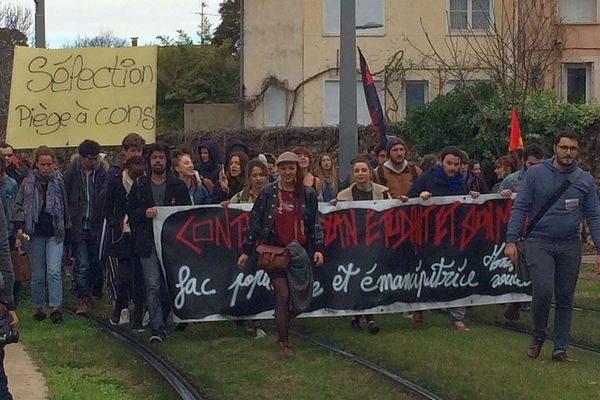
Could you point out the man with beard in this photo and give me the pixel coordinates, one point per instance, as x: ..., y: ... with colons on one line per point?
x: 397, y: 173
x: 161, y: 188
x: 14, y: 167
x: 553, y: 245
x: 84, y: 184
x: 444, y: 179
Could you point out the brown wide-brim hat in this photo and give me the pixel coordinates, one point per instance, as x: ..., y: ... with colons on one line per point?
x: 287, y: 156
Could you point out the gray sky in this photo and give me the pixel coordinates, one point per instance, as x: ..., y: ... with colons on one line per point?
x: 66, y: 19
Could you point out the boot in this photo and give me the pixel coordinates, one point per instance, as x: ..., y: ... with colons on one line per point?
x: 83, y: 308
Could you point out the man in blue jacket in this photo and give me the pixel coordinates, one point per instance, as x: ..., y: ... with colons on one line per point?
x: 444, y: 179
x: 553, y: 247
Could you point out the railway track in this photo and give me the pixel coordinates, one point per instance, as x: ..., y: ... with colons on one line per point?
x: 411, y: 386
x: 174, y: 378
x: 512, y: 328
x: 187, y: 391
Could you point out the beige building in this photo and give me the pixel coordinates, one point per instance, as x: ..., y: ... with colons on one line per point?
x: 577, y: 77
x: 291, y: 53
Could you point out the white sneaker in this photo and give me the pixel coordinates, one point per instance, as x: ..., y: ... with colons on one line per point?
x: 259, y: 333
x: 146, y: 319
x: 155, y: 339
x: 125, y: 317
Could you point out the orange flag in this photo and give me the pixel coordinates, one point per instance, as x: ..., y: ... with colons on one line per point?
x: 516, y: 138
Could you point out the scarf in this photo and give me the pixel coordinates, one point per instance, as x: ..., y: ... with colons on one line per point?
x: 32, y: 202
x: 452, y: 183
x: 127, y: 184
x: 390, y: 165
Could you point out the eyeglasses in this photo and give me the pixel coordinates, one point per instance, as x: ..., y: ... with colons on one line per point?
x: 572, y: 149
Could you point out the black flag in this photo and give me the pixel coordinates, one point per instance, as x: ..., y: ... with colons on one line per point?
x: 373, y: 104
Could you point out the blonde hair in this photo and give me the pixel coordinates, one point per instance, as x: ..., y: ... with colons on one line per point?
x: 332, y: 175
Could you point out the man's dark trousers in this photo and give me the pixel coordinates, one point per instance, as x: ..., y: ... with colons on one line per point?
x: 554, y: 269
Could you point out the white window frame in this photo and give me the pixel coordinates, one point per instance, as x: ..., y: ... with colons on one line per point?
x: 274, y: 117
x: 360, y: 100
x: 426, y: 98
x: 335, y: 32
x: 589, y: 79
x: 595, y: 20
x: 469, y: 28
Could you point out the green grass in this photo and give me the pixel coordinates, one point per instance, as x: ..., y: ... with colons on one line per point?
x: 227, y: 363
x: 587, y: 294
x: 80, y: 362
x: 486, y: 363
x: 232, y: 365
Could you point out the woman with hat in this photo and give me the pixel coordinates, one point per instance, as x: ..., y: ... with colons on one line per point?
x: 284, y: 212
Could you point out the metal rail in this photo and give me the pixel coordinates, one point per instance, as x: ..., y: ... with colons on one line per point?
x: 413, y: 387
x: 528, y: 332
x: 178, y: 382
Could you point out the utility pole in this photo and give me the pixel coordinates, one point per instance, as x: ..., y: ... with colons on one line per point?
x: 40, y: 24
x: 202, y: 5
x: 348, y: 130
x: 204, y: 23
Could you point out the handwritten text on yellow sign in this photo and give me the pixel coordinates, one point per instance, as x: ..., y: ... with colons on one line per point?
x: 60, y: 97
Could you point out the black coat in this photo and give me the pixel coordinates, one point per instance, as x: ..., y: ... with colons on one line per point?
x: 73, y: 178
x: 140, y: 199
x: 262, y: 219
x: 115, y: 209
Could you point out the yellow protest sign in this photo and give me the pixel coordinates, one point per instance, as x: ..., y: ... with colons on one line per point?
x: 58, y: 98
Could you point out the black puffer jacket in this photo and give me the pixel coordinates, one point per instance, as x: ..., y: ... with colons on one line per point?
x: 262, y: 219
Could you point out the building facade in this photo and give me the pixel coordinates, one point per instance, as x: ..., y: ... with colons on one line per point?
x: 290, y: 53
x: 577, y: 78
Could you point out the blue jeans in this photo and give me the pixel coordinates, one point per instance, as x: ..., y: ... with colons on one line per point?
x: 4, y: 393
x: 157, y: 303
x: 554, y: 270
x: 45, y: 256
x: 86, y: 266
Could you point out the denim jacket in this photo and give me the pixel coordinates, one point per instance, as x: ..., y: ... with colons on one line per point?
x: 262, y: 219
x: 8, y: 193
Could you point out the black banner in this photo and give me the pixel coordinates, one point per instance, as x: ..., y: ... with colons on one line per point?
x: 380, y: 257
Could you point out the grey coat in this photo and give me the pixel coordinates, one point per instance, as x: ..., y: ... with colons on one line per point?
x: 18, y: 216
x: 300, y: 278
x: 7, y: 278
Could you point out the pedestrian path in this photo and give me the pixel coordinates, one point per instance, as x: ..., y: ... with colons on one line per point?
x: 588, y: 259
x: 25, y: 381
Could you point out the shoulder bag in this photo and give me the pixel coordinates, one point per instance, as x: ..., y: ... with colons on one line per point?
x: 521, y: 264
x: 273, y: 258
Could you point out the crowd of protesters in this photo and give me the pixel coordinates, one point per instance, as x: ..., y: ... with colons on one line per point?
x: 101, y: 216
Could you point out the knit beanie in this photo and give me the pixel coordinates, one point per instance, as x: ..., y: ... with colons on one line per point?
x: 392, y: 141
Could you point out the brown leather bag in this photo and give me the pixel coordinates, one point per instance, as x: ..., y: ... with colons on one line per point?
x: 272, y: 257
x: 21, y: 266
